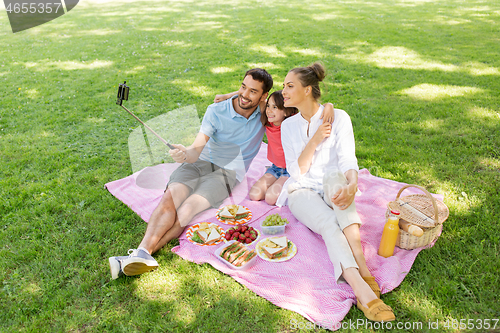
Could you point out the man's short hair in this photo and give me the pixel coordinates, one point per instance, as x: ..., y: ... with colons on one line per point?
x: 261, y: 75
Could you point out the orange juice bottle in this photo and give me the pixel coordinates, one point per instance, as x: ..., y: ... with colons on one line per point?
x: 389, y: 235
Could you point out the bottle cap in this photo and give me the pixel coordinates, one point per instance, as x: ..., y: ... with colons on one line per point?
x: 395, y: 212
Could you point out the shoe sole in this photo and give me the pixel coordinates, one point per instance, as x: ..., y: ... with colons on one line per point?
x: 138, y: 267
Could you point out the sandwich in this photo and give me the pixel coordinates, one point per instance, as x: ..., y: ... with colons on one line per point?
x: 237, y: 254
x: 233, y: 212
x: 275, y: 247
x: 207, y: 234
x: 241, y: 213
x: 224, y: 214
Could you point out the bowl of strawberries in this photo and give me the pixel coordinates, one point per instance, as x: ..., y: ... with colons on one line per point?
x: 242, y: 233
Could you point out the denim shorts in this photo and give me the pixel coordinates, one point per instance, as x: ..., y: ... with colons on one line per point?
x: 277, y: 172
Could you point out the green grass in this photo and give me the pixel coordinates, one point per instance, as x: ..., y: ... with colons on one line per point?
x: 420, y: 80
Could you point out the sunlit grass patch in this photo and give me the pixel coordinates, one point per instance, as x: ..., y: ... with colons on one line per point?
x: 430, y: 92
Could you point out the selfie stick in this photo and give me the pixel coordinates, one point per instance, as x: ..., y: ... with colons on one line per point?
x: 123, y: 90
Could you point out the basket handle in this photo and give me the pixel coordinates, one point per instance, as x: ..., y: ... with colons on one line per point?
x: 436, y: 211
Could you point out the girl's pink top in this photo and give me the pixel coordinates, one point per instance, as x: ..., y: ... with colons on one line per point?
x: 275, y: 152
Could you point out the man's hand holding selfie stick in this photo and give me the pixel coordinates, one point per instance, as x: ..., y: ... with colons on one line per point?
x: 189, y: 154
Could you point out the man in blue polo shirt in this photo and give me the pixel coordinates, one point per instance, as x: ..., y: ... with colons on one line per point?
x: 229, y: 138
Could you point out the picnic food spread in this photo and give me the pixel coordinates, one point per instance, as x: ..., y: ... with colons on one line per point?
x: 233, y: 212
x: 275, y: 247
x: 237, y: 254
x: 242, y: 233
x: 206, y: 233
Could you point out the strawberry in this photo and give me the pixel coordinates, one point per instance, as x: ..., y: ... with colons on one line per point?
x: 248, y: 240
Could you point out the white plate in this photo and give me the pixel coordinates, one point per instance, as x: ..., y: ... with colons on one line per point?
x: 219, y: 250
x: 291, y: 252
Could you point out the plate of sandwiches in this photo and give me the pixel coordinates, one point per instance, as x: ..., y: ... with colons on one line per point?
x: 234, y: 214
x: 236, y: 255
x: 205, y: 234
x: 276, y: 249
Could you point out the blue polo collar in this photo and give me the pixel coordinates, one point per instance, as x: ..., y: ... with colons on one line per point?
x: 236, y: 114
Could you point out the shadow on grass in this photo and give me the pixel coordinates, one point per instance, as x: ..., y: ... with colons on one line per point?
x: 182, y: 296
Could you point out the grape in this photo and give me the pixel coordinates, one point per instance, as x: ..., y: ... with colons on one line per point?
x: 274, y: 220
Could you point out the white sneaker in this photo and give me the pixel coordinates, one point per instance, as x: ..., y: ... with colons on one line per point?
x: 138, y: 262
x: 115, y: 264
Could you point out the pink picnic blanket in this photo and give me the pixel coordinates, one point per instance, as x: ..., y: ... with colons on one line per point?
x: 304, y: 284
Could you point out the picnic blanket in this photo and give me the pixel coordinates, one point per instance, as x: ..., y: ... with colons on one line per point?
x: 304, y: 284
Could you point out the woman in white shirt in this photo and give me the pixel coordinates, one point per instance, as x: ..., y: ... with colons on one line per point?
x: 323, y: 167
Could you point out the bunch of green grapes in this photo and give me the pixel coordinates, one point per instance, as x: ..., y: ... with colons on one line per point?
x: 274, y: 219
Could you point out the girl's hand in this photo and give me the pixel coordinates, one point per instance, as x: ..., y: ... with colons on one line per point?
x: 219, y: 98
x: 223, y: 97
x: 324, y: 131
x: 179, y: 154
x: 328, y: 114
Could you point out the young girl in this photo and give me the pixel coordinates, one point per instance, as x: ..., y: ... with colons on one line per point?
x: 269, y: 186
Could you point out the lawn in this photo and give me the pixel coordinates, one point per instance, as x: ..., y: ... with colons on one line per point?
x: 419, y: 78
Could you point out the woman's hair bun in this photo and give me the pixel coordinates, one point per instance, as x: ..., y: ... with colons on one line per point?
x: 319, y: 70
x: 311, y: 75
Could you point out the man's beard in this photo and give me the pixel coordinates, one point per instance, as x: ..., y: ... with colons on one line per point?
x: 248, y: 106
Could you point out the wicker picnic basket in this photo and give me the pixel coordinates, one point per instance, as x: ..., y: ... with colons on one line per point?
x: 420, y: 210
